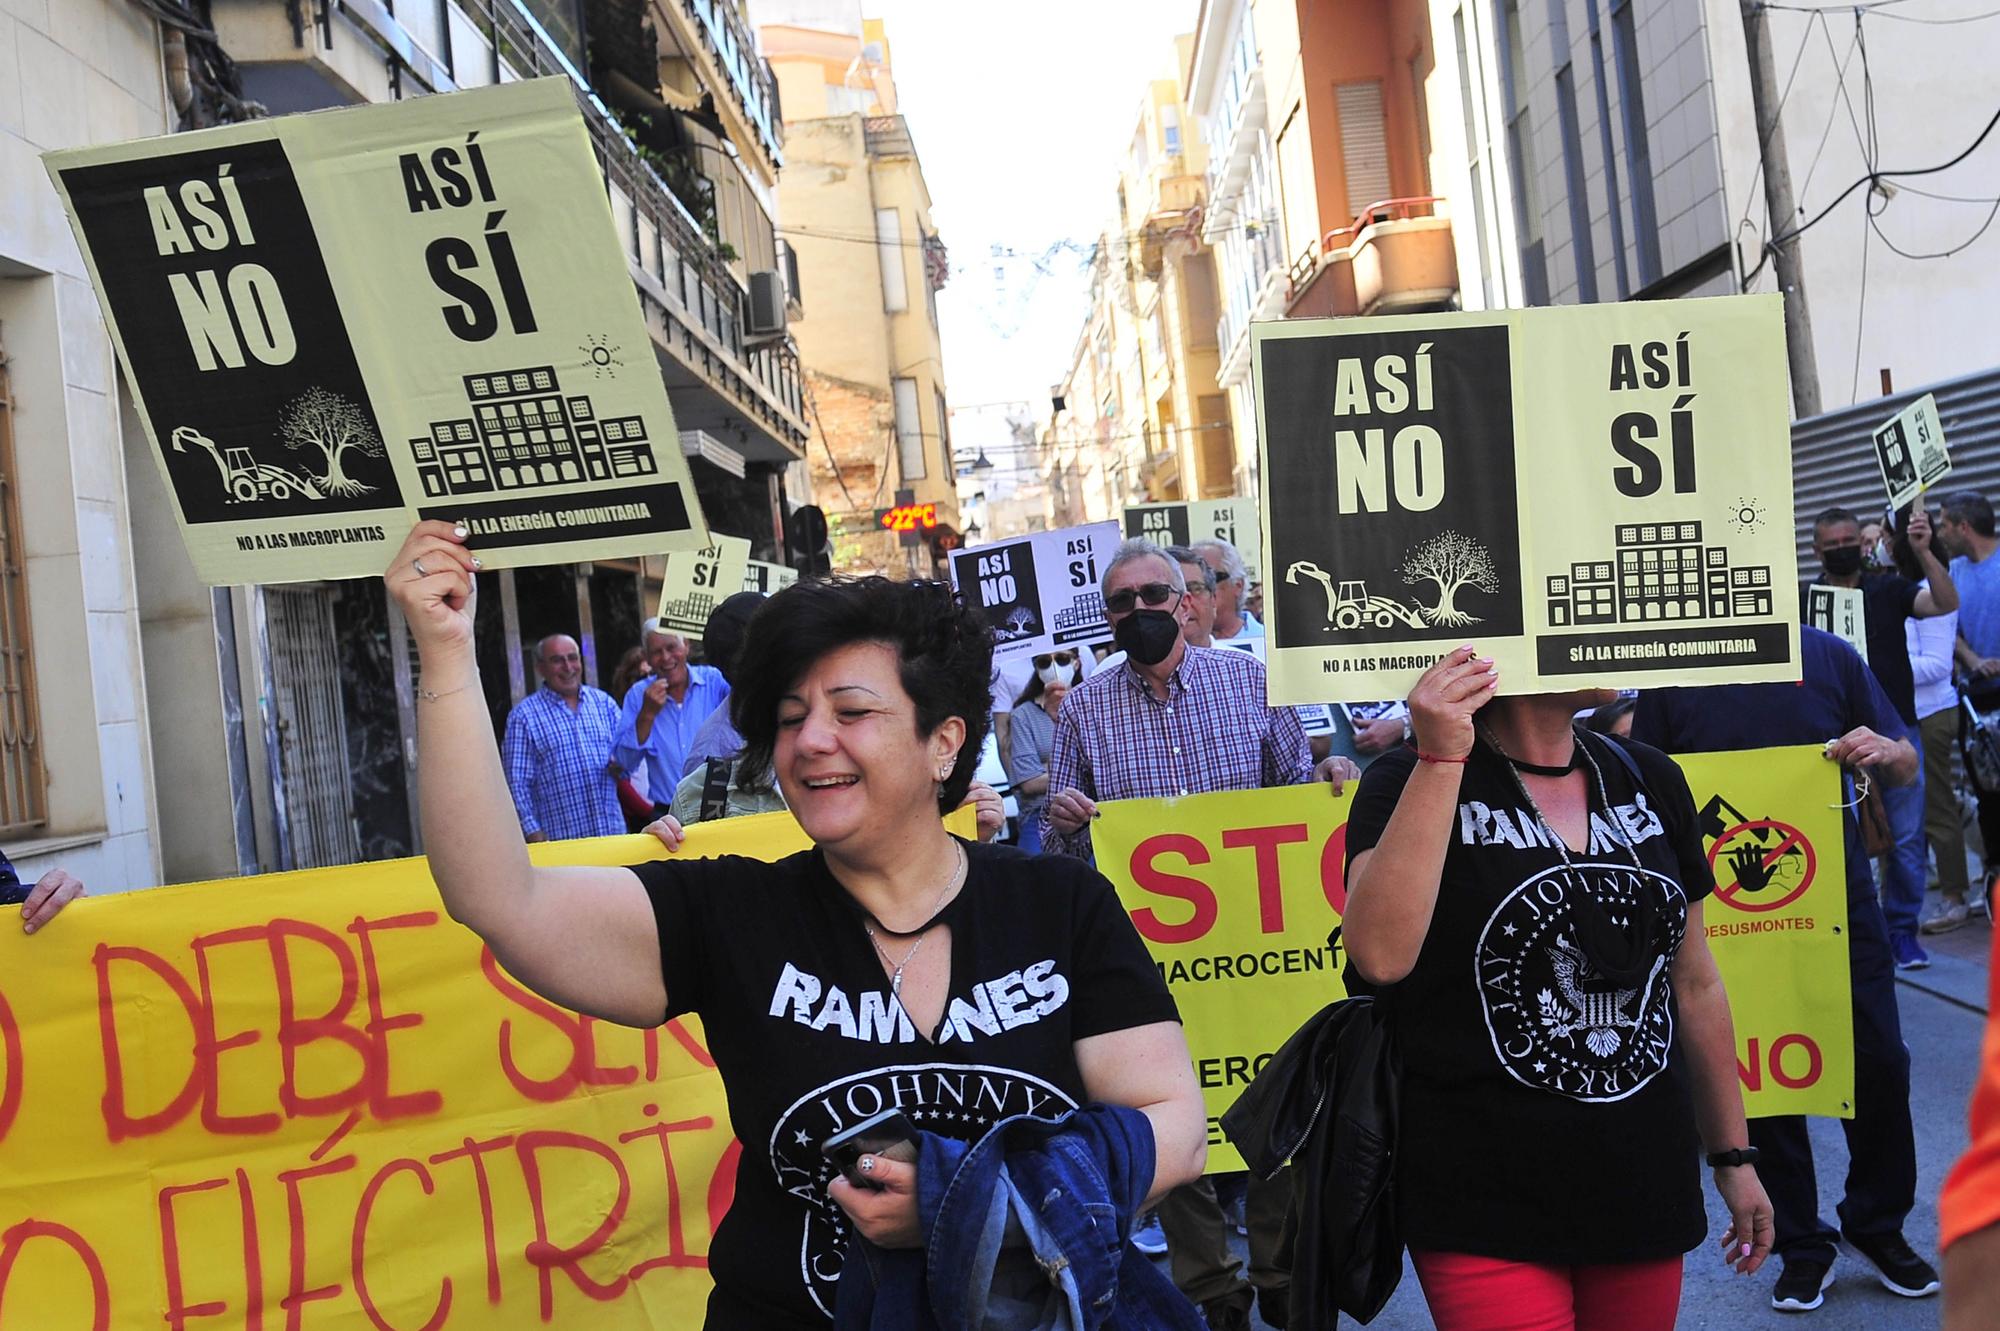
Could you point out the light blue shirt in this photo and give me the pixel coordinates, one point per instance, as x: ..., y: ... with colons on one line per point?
x: 666, y: 747
x: 555, y: 757
x: 1251, y: 628
x: 1978, y: 602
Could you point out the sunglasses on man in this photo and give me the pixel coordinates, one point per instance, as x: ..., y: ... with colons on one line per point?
x: 1047, y: 659
x: 1152, y: 593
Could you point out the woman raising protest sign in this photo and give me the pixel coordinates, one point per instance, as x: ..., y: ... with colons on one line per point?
x: 1527, y: 897
x: 893, y: 966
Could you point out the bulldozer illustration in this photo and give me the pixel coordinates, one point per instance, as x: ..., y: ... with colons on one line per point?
x: 243, y: 477
x: 1348, y: 604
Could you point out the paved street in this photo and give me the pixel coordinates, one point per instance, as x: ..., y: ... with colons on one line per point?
x: 1943, y: 1010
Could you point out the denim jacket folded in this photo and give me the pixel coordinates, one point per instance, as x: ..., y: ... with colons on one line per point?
x: 1028, y: 1229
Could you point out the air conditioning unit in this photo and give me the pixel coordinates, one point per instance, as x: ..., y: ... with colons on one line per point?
x: 767, y: 304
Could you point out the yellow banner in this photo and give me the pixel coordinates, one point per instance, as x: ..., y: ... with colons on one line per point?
x: 335, y: 324
x: 1236, y: 902
x: 1593, y: 494
x: 1235, y: 893
x: 314, y: 1091
x: 1778, y: 923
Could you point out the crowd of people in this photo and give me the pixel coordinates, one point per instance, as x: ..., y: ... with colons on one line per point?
x: 999, y: 997
x: 863, y: 707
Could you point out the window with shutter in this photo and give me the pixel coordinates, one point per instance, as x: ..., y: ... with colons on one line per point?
x: 1364, y: 144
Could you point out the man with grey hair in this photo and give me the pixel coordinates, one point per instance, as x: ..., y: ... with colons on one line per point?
x: 557, y: 751
x: 662, y: 712
x: 1175, y: 719
x: 1232, y: 584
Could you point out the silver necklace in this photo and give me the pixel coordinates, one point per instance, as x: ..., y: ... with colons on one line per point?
x: 1603, y: 798
x: 896, y: 968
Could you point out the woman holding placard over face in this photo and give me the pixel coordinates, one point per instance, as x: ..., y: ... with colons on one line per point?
x: 1526, y: 897
x: 892, y: 966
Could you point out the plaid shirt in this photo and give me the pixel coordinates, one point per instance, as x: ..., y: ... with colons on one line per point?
x: 555, y: 762
x: 1115, y: 740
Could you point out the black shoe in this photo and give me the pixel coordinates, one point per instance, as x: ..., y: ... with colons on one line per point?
x: 1899, y: 1269
x: 1802, y: 1285
x: 1231, y: 1312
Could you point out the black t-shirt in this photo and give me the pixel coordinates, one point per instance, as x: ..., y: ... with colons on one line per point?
x: 1546, y: 1113
x: 1887, y: 600
x: 808, y: 1039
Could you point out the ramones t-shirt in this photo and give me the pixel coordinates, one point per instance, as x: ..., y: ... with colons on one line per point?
x: 809, y: 1039
x: 1546, y: 1113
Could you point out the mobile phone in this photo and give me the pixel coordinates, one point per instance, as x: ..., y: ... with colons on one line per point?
x: 887, y: 1134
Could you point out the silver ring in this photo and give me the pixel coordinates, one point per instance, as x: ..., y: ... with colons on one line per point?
x: 419, y: 568
x: 867, y: 1164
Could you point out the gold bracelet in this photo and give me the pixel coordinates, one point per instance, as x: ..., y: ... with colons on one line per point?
x: 432, y: 695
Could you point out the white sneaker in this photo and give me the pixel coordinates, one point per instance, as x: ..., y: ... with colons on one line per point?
x: 1952, y: 915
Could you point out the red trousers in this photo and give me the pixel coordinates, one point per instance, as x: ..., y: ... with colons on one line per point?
x: 1468, y: 1293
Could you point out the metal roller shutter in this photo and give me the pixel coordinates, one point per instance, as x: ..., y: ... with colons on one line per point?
x: 1833, y: 462
x: 1364, y: 145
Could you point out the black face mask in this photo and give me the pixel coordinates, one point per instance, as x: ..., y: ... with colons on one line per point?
x: 1841, y: 560
x: 1147, y: 636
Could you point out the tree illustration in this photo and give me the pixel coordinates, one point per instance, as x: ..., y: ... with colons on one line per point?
x: 335, y: 425
x: 1451, y: 560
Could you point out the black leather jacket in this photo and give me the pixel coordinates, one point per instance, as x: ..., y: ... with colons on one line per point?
x: 1327, y: 1102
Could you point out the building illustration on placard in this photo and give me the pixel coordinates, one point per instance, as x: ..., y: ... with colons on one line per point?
x: 1083, y: 612
x: 524, y: 432
x: 1659, y: 571
x: 692, y: 609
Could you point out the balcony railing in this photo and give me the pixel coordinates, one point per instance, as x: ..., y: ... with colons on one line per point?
x: 661, y: 238
x: 1396, y: 255
x: 888, y: 136
x: 750, y: 77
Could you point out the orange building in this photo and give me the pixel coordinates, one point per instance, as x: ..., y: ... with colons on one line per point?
x: 1348, y: 85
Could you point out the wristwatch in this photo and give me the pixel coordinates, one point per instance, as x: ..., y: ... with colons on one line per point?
x: 1741, y: 1155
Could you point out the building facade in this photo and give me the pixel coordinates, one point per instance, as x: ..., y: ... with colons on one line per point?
x: 858, y: 212
x: 291, y: 729
x: 77, y: 758
x: 1143, y: 415
x: 1349, y: 87
x: 1611, y: 151
x: 1243, y: 223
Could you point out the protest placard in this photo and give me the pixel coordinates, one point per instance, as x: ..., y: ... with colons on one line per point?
x: 1841, y: 612
x: 1590, y: 494
x: 1235, y: 894
x: 768, y: 578
x: 1041, y: 591
x: 697, y: 581
x: 1185, y: 522
x: 1909, y: 448
x: 336, y: 324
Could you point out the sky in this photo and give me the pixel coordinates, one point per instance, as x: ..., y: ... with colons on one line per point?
x: 1020, y: 123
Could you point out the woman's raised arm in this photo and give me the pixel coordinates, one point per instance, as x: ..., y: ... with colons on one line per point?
x: 581, y: 937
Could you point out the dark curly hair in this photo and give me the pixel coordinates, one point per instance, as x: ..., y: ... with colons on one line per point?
x: 943, y: 647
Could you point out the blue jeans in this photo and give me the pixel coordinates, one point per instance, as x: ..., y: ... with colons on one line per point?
x: 1881, y: 1185
x: 1906, y: 868
x: 1029, y: 835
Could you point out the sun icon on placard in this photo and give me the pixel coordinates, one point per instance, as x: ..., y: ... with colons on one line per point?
x: 600, y: 356
x: 1746, y: 514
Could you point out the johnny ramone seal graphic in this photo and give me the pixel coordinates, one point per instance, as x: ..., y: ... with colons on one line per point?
x: 955, y: 1099
x: 1556, y: 1023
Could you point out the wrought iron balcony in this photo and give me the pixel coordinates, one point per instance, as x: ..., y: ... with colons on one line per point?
x: 693, y: 303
